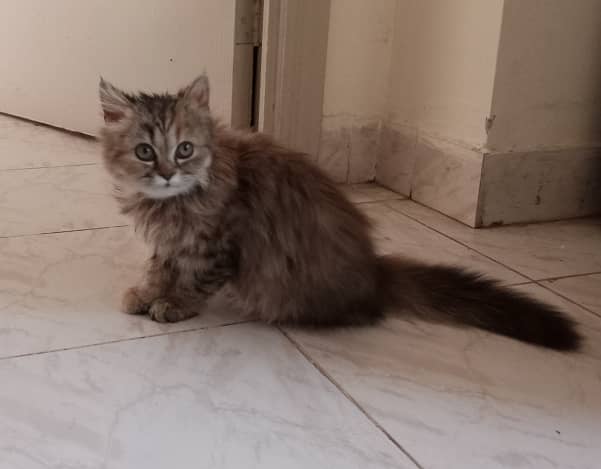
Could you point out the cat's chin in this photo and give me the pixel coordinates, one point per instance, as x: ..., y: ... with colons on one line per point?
x: 165, y: 192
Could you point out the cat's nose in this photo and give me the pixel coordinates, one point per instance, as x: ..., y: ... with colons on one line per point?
x: 167, y: 175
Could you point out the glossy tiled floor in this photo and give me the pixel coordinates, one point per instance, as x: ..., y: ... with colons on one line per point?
x: 84, y: 386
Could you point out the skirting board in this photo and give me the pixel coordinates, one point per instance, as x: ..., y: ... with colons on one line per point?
x: 439, y: 174
x: 539, y: 186
x: 483, y: 189
x: 348, y: 147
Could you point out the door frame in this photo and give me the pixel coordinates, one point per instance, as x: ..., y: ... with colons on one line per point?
x: 292, y: 76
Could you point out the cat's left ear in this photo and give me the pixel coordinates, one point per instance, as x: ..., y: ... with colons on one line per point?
x: 115, y: 105
x: 197, y: 93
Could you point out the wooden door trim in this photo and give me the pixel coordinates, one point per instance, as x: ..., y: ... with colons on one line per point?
x: 293, y: 64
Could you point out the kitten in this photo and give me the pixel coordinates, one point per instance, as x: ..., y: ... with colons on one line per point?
x: 223, y: 207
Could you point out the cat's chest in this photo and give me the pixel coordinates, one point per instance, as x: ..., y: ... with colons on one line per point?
x: 190, y: 244
x: 185, y: 256
x: 179, y: 233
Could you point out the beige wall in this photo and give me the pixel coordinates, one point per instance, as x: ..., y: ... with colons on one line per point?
x: 443, y: 67
x: 358, y: 57
x: 54, y: 52
x: 548, y: 83
x: 357, y: 73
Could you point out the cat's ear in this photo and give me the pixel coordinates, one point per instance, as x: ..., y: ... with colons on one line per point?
x: 115, y: 105
x: 197, y: 92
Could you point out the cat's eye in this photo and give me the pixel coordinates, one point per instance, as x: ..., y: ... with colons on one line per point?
x: 184, y: 150
x: 145, y: 152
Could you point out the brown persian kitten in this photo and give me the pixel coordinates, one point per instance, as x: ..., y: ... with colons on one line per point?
x: 223, y: 207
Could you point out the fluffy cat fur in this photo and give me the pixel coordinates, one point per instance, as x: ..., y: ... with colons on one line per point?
x: 244, y: 211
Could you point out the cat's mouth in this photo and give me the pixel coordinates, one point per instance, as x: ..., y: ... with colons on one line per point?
x: 160, y: 188
x: 165, y: 192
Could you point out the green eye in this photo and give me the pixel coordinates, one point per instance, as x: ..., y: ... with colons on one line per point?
x: 144, y: 152
x: 184, y: 150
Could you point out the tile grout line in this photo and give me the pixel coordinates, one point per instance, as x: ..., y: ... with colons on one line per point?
x: 375, y: 201
x: 45, y: 125
x: 462, y: 244
x: 551, y: 279
x: 116, y: 341
x: 518, y: 284
x: 61, y: 231
x: 350, y: 398
x: 531, y: 280
x: 72, y: 165
x: 568, y: 299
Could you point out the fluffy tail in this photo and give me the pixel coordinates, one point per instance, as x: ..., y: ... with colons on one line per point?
x: 453, y: 295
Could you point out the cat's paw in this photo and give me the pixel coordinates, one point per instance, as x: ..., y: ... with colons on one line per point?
x: 162, y: 310
x: 132, y: 302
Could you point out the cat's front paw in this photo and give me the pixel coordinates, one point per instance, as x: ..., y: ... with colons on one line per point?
x: 132, y: 302
x: 162, y: 310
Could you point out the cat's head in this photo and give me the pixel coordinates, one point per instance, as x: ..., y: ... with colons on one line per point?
x: 158, y: 145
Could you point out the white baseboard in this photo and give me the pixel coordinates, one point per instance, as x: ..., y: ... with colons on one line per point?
x: 482, y: 189
x: 539, y: 186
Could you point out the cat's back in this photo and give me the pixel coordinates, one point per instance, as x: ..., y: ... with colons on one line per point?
x: 285, y: 201
x: 270, y: 174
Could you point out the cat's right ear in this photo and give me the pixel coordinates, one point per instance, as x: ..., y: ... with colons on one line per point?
x: 115, y: 105
x: 197, y: 92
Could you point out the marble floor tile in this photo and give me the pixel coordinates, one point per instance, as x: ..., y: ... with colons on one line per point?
x: 467, y: 399
x: 56, y: 199
x: 398, y: 234
x: 361, y: 193
x: 232, y: 397
x: 584, y: 290
x: 63, y: 290
x: 27, y: 145
x: 539, y: 251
